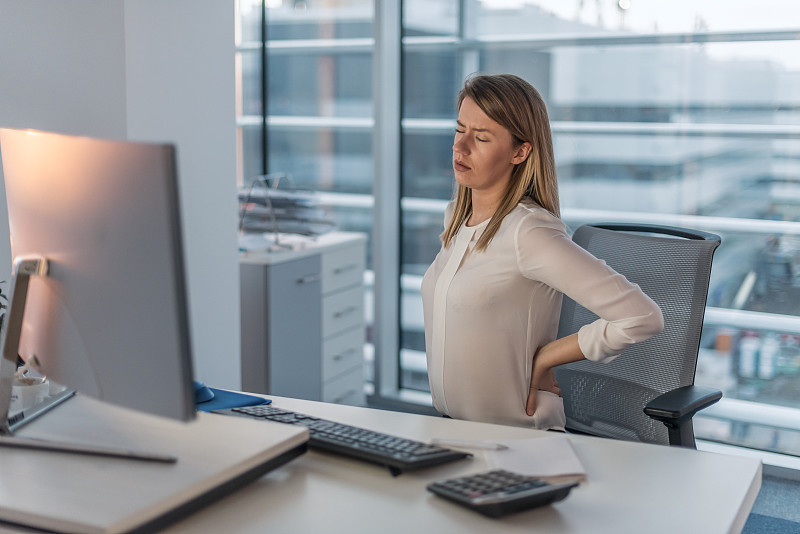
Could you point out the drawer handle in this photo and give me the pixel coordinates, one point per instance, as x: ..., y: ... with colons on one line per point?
x: 341, y: 355
x: 308, y: 279
x: 346, y: 311
x: 345, y: 268
x: 340, y: 398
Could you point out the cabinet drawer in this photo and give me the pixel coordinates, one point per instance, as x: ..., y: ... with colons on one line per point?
x: 342, y: 311
x: 345, y: 389
x: 342, y: 352
x: 342, y: 268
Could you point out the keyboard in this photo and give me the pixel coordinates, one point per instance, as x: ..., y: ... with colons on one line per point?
x: 499, y: 492
x: 396, y: 453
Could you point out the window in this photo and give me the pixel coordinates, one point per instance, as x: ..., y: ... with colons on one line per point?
x: 666, y: 111
x: 318, y: 99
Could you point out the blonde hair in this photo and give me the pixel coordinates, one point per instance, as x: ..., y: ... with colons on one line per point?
x: 518, y: 107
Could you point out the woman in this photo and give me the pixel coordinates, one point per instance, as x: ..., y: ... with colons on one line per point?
x: 492, y: 296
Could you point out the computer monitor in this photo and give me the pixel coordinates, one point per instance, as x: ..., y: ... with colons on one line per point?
x: 109, y: 318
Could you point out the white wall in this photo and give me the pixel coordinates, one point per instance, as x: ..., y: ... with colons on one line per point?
x: 60, y: 71
x: 181, y: 88
x: 62, y: 66
x: 145, y: 70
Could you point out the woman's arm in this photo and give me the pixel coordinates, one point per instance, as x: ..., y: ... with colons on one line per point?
x: 626, y: 314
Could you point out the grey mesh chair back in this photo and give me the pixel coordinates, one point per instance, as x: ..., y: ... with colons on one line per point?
x: 672, y: 266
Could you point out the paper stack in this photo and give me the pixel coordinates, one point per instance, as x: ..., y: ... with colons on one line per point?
x: 551, y: 458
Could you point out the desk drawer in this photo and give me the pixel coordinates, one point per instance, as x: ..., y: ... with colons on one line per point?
x: 345, y: 389
x: 342, y: 268
x: 342, y: 352
x: 342, y: 311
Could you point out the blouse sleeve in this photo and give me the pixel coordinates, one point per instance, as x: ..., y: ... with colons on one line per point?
x: 626, y: 314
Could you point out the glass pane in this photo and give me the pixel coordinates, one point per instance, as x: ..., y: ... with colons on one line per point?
x: 324, y: 160
x: 420, y: 244
x: 319, y: 19
x: 534, y: 66
x: 421, y: 229
x: 700, y: 175
x: 249, y: 23
x: 356, y: 217
x: 309, y: 84
x: 250, y: 67
x: 431, y: 84
x: 755, y: 365
x: 250, y: 147
x: 752, y: 366
x: 748, y: 434
x: 738, y: 83
x: 353, y: 218
x: 494, y: 17
x: 430, y: 18
x: 536, y: 17
x: 427, y: 165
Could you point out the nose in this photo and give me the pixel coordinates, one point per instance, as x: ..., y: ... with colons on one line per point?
x: 460, y: 145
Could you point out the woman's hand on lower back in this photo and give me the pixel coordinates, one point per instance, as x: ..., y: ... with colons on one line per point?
x: 555, y: 353
x: 541, y: 381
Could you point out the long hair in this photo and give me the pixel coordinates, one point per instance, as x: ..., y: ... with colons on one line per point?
x: 515, y: 105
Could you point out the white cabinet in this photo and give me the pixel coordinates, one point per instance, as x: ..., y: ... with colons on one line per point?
x: 303, y: 320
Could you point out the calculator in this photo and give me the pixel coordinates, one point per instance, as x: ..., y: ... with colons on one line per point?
x: 499, y: 492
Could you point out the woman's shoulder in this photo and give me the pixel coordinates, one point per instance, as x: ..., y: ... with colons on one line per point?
x: 529, y: 215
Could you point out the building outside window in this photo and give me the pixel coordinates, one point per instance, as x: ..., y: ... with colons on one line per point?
x: 666, y: 112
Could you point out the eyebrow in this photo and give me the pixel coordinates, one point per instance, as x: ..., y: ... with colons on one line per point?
x: 475, y: 129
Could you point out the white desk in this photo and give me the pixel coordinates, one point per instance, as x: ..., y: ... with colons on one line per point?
x: 631, y: 488
x: 79, y: 493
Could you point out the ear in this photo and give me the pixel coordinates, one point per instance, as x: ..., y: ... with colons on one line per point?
x: 521, y: 153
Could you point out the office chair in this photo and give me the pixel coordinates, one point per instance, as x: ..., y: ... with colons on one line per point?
x: 651, y: 382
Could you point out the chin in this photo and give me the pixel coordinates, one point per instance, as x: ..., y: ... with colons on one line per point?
x: 460, y: 180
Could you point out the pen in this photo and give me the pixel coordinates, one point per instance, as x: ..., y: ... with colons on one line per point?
x: 465, y: 444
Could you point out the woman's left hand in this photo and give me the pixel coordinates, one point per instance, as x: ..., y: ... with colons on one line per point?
x: 545, y: 382
x: 555, y: 353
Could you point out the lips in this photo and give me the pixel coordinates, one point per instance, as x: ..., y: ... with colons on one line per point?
x: 460, y: 167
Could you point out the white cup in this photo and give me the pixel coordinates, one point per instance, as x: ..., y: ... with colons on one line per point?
x: 28, y: 393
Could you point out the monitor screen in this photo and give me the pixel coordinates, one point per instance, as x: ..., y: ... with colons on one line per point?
x: 110, y: 319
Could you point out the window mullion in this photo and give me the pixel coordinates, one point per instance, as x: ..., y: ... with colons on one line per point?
x: 386, y: 189
x: 467, y: 30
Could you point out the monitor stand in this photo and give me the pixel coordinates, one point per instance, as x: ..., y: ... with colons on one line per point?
x: 24, y: 268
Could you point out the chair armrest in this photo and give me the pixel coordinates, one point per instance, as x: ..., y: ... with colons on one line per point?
x: 676, y: 406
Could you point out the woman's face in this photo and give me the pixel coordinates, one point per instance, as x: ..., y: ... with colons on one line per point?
x: 483, y: 151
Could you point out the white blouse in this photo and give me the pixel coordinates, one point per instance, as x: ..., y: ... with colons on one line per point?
x: 487, y: 313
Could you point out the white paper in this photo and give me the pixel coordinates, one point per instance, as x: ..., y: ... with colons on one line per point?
x: 550, y: 456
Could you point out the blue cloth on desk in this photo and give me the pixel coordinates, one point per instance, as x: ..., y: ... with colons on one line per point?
x: 229, y: 399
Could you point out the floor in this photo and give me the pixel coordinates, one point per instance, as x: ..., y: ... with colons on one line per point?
x: 777, y: 508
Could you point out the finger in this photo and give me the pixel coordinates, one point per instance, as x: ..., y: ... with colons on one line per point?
x: 530, y: 407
